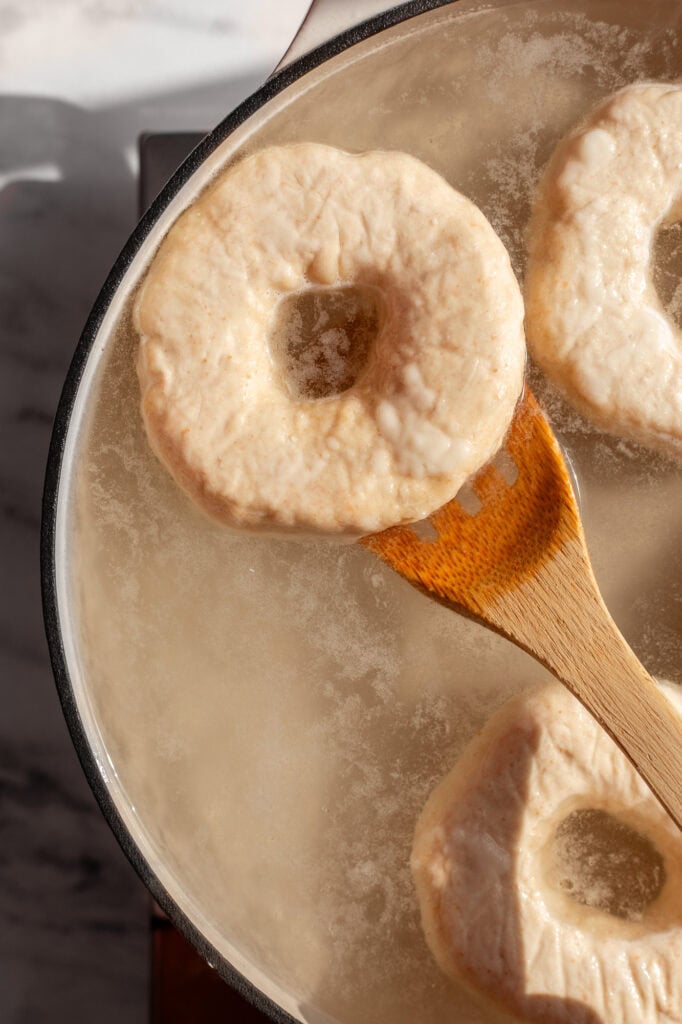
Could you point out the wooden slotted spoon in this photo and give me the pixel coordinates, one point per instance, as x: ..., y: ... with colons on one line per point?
x: 520, y: 566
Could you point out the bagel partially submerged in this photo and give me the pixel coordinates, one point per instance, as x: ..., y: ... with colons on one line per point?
x: 595, y: 322
x: 548, y: 876
x: 438, y: 389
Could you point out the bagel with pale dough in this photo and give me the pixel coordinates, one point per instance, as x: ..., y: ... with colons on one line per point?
x: 549, y: 878
x: 595, y: 322
x: 438, y: 390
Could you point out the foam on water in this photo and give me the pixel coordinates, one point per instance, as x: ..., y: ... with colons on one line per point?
x: 667, y: 259
x: 604, y: 863
x: 278, y: 711
x: 322, y: 338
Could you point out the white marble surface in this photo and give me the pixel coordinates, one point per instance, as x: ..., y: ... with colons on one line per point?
x: 79, y: 80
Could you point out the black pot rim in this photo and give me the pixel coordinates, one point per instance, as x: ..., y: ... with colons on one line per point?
x: 245, y: 110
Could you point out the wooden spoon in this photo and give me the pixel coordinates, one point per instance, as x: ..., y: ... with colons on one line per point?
x: 520, y: 566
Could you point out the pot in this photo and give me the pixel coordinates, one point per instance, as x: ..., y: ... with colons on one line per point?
x: 262, y: 720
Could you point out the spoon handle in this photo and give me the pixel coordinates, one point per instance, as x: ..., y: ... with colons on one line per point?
x: 559, y: 617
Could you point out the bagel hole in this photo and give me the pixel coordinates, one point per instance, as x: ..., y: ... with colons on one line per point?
x: 322, y: 338
x: 425, y: 530
x: 667, y: 269
x: 469, y: 500
x: 601, y: 862
x: 506, y: 467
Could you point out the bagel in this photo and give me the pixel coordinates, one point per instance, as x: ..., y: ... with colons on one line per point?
x: 437, y: 392
x: 594, y: 320
x: 520, y: 897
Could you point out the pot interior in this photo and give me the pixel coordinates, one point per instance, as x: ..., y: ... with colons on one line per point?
x: 270, y: 715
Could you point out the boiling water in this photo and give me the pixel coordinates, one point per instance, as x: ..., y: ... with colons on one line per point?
x: 322, y: 338
x: 276, y: 712
x: 603, y: 862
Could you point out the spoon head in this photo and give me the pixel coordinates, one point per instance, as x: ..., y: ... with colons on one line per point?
x: 519, y: 511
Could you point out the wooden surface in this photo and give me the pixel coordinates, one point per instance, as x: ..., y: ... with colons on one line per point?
x: 520, y: 566
x: 185, y: 990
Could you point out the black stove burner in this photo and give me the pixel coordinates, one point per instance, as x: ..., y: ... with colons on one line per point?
x: 161, y: 153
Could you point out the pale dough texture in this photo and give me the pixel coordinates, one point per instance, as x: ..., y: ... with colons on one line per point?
x: 436, y: 396
x: 594, y: 320
x: 480, y: 856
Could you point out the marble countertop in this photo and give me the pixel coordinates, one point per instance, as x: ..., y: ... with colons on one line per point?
x: 79, y: 81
